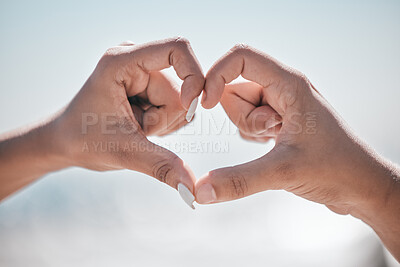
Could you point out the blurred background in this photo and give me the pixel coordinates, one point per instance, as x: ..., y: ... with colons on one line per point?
x: 75, y: 217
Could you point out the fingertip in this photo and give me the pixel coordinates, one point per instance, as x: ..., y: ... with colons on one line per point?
x: 191, y: 88
x: 186, y: 99
x: 203, y: 97
x: 207, y: 102
x: 202, y: 180
x: 205, y: 194
x: 205, y: 190
x: 213, y: 90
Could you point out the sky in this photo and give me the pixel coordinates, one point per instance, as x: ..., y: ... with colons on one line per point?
x: 348, y: 49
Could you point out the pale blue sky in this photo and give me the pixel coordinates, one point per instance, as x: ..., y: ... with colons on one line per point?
x: 349, y: 50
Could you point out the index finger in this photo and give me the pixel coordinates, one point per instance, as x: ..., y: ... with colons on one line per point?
x: 176, y: 52
x: 244, y: 60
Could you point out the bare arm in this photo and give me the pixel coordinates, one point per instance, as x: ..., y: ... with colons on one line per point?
x: 125, y: 100
x: 27, y: 154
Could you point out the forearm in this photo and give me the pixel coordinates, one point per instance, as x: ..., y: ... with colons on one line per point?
x: 27, y: 154
x: 380, y: 206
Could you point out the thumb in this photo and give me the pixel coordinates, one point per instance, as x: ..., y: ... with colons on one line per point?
x: 160, y: 163
x: 259, y: 120
x: 266, y: 173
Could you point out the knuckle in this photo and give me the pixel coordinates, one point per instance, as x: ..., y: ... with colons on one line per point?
x: 163, y: 169
x: 234, y: 183
x: 289, y: 97
x: 237, y: 184
x: 297, y: 78
x: 109, y: 56
x: 304, y: 84
x: 301, y: 80
x: 110, y: 52
x: 301, y: 86
x: 301, y: 76
x: 289, y: 90
x: 240, y: 48
x: 181, y: 42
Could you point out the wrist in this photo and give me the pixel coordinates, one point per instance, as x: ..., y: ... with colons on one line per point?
x: 50, y: 144
x: 381, y: 190
x: 379, y: 207
x: 27, y: 154
x: 59, y: 148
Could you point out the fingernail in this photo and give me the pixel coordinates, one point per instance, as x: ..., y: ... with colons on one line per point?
x: 206, y: 194
x: 204, y: 96
x: 186, y: 195
x: 192, y: 109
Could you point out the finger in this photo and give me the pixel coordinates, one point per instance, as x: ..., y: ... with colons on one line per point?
x: 161, y: 119
x: 158, y: 120
x: 176, y: 52
x: 269, y: 172
x: 243, y: 60
x: 163, y: 94
x: 260, y: 139
x: 163, y: 90
x: 272, y: 132
x: 259, y: 120
x: 247, y: 108
x: 158, y: 162
x: 173, y: 127
x: 269, y: 133
x: 127, y: 43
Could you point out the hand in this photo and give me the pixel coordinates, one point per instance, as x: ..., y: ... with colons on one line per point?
x: 126, y: 99
x: 315, y: 155
x: 106, y: 124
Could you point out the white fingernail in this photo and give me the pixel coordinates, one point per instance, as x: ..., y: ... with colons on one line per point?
x: 192, y: 109
x: 186, y: 195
